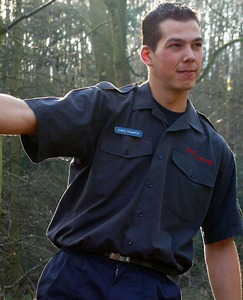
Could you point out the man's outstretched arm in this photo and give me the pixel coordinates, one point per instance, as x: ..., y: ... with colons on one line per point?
x: 224, y: 270
x: 16, y: 117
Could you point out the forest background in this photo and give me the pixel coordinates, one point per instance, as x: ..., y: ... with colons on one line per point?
x: 74, y: 43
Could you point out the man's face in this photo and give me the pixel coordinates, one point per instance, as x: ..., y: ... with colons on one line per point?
x: 176, y: 62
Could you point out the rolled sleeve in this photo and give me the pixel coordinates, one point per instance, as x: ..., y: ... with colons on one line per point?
x: 224, y: 217
x: 67, y: 126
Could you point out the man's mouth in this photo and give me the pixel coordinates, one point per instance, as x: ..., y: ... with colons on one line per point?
x: 187, y: 71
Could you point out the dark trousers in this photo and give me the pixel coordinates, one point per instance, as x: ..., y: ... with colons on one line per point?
x: 78, y: 276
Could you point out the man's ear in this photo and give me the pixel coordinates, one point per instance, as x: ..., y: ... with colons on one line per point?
x: 146, y: 55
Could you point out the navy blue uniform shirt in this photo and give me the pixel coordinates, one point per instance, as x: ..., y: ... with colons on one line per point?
x: 136, y: 186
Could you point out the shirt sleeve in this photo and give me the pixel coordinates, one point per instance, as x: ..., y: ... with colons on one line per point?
x: 224, y: 217
x: 67, y: 126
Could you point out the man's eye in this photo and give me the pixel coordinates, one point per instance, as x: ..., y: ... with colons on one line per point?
x: 198, y: 45
x: 175, y: 45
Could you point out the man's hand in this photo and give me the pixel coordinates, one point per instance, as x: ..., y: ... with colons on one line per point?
x: 224, y: 270
x: 16, y: 117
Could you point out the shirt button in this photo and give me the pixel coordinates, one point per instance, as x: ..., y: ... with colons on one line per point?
x: 141, y: 215
x: 151, y: 185
x: 130, y: 242
x: 127, y: 151
x: 192, y: 176
x: 160, y: 157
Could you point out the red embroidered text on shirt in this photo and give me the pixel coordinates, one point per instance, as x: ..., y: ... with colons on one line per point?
x: 199, y: 157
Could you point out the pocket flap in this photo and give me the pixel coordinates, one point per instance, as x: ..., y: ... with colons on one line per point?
x: 126, y: 146
x: 194, y: 170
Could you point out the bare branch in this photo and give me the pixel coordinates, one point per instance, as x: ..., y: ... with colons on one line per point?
x: 26, y: 274
x: 26, y: 16
x: 214, y: 55
x: 94, y: 29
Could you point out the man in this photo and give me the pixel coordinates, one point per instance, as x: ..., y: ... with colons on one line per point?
x: 148, y: 172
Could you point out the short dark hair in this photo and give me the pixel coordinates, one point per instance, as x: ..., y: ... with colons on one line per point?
x: 151, y: 33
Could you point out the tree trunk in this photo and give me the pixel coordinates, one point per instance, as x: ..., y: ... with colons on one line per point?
x: 108, y: 21
x: 118, y: 26
x: 101, y: 41
x: 1, y: 181
x: 14, y: 272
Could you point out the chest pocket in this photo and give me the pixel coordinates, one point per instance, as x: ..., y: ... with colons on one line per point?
x: 195, y: 171
x: 126, y: 146
x: 121, y: 164
x: 189, y: 187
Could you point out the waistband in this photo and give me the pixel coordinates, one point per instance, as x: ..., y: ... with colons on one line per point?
x: 137, y: 262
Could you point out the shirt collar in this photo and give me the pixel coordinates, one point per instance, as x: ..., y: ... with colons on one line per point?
x: 144, y: 100
x: 193, y: 118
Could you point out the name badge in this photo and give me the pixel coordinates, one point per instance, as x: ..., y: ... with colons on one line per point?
x: 128, y: 131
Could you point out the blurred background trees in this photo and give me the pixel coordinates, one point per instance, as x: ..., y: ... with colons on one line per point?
x: 75, y: 43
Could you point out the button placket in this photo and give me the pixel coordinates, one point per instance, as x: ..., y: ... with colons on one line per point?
x: 138, y: 230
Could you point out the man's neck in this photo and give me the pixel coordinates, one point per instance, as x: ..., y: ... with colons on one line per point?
x: 173, y: 100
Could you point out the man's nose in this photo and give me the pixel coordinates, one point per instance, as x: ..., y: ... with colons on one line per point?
x: 189, y: 54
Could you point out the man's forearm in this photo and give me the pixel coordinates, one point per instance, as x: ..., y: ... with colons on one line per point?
x: 16, y: 116
x: 224, y: 270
